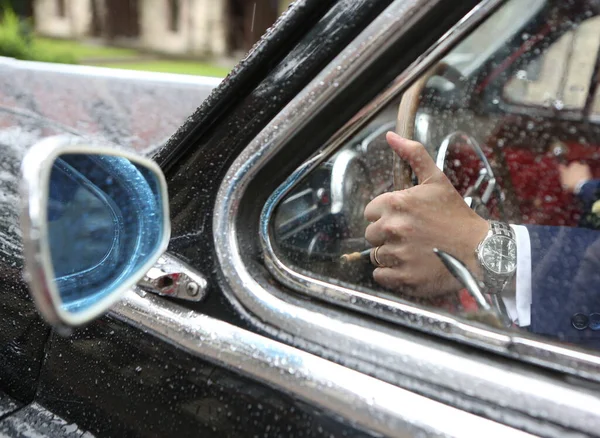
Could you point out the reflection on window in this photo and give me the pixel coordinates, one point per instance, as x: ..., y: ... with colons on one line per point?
x: 504, y: 114
x: 561, y: 76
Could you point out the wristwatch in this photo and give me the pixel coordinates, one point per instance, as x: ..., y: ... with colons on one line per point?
x: 497, y: 255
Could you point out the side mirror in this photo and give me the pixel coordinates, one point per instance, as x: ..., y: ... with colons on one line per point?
x: 94, y: 221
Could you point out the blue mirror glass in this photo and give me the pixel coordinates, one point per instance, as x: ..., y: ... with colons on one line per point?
x: 105, y: 221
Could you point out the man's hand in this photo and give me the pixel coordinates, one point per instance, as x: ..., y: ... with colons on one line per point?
x: 408, y: 224
x: 574, y: 174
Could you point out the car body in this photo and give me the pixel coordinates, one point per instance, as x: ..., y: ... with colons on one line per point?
x: 282, y: 344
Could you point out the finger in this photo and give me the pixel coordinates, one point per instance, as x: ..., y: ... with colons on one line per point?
x: 374, y: 256
x: 416, y: 155
x: 386, y: 230
x: 388, y: 255
x: 392, y: 278
x: 375, y: 235
x: 375, y: 209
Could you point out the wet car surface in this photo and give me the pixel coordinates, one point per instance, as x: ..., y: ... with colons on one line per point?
x: 287, y: 341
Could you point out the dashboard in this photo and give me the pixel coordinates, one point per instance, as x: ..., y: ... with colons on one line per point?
x: 322, y: 217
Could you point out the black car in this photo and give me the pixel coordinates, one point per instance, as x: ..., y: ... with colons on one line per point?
x: 260, y: 319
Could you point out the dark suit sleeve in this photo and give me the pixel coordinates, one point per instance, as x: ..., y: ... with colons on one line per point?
x: 565, y: 280
x: 588, y: 192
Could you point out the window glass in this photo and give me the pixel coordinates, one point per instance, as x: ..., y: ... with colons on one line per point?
x: 511, y: 115
x: 561, y: 75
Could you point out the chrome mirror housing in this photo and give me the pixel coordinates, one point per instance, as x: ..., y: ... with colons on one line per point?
x: 94, y: 219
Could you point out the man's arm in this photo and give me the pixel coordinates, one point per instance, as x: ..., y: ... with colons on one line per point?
x: 558, y: 268
x: 558, y: 281
x: 406, y: 225
x: 564, y: 279
x: 586, y: 192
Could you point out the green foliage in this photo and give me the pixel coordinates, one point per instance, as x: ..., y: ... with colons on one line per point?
x: 174, y: 66
x: 84, y: 52
x: 16, y: 42
x: 39, y: 53
x: 13, y: 42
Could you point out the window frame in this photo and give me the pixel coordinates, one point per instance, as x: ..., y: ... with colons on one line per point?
x: 523, y: 346
x: 391, y: 352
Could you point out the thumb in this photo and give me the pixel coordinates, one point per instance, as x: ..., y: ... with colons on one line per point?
x: 416, y: 155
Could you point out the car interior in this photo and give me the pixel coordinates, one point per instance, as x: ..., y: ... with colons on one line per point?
x: 499, y: 113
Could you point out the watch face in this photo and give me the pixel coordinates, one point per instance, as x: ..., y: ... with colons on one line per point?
x: 499, y: 254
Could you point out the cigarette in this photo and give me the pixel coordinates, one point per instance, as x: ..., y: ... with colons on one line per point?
x: 356, y: 256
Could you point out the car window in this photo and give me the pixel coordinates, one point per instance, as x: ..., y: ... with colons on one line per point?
x: 559, y: 76
x: 511, y: 117
x: 471, y: 53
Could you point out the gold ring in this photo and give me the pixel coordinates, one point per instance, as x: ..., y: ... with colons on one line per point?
x: 376, y: 259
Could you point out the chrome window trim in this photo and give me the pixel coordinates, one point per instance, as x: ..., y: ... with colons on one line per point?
x: 485, y: 378
x: 365, y: 402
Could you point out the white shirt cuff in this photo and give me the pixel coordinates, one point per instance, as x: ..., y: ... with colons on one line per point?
x: 519, y: 305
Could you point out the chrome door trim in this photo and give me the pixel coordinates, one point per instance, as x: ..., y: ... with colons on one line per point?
x: 364, y: 402
x: 402, y: 352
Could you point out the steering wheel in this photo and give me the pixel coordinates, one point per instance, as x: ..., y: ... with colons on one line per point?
x: 478, y: 195
x: 407, y: 115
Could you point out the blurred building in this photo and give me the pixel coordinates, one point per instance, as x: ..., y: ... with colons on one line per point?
x: 62, y: 19
x: 23, y: 8
x: 176, y: 27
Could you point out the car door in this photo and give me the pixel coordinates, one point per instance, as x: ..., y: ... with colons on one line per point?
x: 303, y: 233
x: 266, y: 181
x: 339, y: 308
